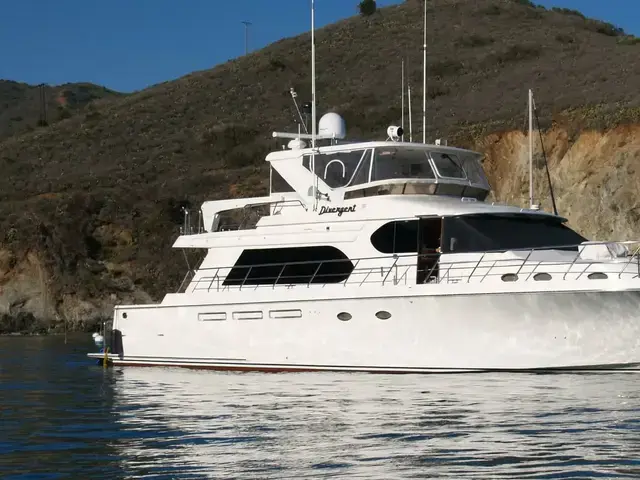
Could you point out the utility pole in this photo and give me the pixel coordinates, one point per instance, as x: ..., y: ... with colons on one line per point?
x: 246, y: 36
x: 43, y: 106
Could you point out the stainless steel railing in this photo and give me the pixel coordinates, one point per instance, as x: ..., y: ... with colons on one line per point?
x: 404, y: 269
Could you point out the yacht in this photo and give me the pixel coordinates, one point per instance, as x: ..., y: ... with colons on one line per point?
x: 384, y: 256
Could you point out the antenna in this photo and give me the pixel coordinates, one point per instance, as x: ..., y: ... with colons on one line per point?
x: 402, y: 123
x: 410, y: 122
x: 530, y: 148
x: 424, y: 79
x: 294, y: 95
x: 544, y: 155
x: 246, y: 36
x: 313, y: 104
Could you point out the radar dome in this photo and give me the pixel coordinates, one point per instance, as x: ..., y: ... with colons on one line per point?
x: 332, y: 124
x: 297, y: 144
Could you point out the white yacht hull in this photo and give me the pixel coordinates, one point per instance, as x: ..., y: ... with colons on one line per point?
x: 511, y: 331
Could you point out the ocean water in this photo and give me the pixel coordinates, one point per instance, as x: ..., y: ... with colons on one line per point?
x: 61, y: 416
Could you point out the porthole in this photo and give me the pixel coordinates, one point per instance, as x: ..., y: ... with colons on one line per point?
x: 542, y: 277
x: 383, y: 315
x: 124, y: 315
x: 509, y: 277
x: 598, y: 276
x: 344, y: 316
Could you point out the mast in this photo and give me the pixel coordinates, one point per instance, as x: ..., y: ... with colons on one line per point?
x: 530, y: 148
x: 424, y: 79
x: 313, y: 104
x: 402, y: 123
x: 410, y: 122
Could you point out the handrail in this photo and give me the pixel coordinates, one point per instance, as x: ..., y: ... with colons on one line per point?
x: 247, y: 210
x: 184, y: 279
x: 634, y: 254
x: 291, y: 280
x: 414, y: 255
x: 246, y: 277
x: 395, y: 262
x: 488, y: 271
x: 474, y: 268
x: 450, y: 269
x: 533, y: 270
x: 314, y: 274
x: 280, y: 274
x: 355, y: 268
x: 525, y: 261
x: 564, y: 277
x: 583, y: 271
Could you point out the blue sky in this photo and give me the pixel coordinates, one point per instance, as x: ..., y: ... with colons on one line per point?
x: 127, y: 45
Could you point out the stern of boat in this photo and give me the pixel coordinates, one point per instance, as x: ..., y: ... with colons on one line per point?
x: 108, y: 341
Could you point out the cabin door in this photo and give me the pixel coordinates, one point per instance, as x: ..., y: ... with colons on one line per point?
x: 429, y: 248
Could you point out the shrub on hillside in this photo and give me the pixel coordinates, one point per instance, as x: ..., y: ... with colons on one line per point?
x: 564, y: 38
x: 445, y: 68
x: 604, y: 28
x: 568, y: 11
x: 474, y: 41
x: 629, y: 40
x: 435, y: 91
x: 367, y: 7
x: 492, y: 10
x: 517, y: 53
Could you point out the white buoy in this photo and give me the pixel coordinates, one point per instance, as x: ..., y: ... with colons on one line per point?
x: 98, y: 339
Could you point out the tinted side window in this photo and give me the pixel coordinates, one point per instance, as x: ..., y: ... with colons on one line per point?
x: 279, y: 184
x: 269, y: 266
x: 480, y: 233
x: 396, y: 237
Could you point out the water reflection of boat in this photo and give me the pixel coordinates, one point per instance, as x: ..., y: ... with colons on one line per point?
x: 180, y: 422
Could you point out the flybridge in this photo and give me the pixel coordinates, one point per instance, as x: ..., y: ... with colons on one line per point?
x: 338, y: 173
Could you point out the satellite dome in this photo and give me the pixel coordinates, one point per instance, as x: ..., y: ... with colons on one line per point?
x: 332, y: 124
x: 297, y: 144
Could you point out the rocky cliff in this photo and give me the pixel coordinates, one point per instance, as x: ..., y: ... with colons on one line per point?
x: 595, y: 176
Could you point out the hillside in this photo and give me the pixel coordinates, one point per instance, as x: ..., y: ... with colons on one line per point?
x: 90, y: 206
x: 22, y: 109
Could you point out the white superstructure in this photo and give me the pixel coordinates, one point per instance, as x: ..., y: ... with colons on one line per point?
x: 387, y: 259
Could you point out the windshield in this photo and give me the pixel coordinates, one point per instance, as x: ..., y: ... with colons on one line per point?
x: 341, y: 169
x: 448, y: 165
x: 393, y: 162
x: 357, y: 167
